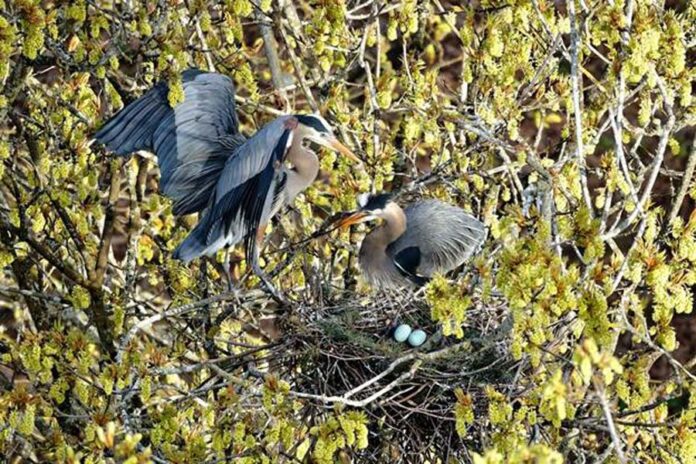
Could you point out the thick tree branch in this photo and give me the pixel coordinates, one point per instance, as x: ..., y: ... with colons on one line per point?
x: 270, y: 47
x: 97, y: 276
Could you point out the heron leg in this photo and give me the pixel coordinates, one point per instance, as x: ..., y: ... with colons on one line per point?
x: 228, y: 271
x: 256, y: 267
x: 209, y: 344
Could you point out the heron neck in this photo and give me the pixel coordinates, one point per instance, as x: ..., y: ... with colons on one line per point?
x: 393, y: 227
x: 305, y: 168
x: 394, y: 222
x: 377, y: 265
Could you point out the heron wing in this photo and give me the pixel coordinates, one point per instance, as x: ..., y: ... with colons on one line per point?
x: 192, y: 141
x: 407, y: 261
x: 244, y: 194
x: 445, y: 236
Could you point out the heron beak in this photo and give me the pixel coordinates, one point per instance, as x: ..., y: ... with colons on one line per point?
x: 334, y: 144
x: 354, y: 218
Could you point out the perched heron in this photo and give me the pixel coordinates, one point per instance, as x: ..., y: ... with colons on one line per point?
x: 208, y: 166
x: 414, y: 243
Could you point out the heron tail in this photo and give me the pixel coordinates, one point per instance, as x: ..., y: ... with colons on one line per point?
x: 209, y: 236
x: 195, y: 245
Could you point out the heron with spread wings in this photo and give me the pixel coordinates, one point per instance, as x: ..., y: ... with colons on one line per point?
x: 207, y: 166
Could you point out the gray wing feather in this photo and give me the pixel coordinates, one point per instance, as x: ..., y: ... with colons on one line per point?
x: 244, y: 194
x: 445, y: 235
x: 252, y: 156
x: 192, y: 141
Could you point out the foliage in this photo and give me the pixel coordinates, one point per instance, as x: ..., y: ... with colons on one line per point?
x: 567, y: 127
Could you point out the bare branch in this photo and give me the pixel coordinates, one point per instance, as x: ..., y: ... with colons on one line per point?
x: 654, y: 169
x: 419, y: 358
x: 576, y: 81
x: 610, y: 423
x: 685, y: 183
x: 271, y: 49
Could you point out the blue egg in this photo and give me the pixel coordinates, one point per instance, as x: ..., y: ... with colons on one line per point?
x: 417, y: 338
x: 402, y: 332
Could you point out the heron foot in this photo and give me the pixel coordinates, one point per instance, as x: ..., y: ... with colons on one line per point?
x: 277, y: 295
x: 269, y: 287
x: 231, y: 287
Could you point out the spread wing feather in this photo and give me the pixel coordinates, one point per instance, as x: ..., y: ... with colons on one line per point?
x: 192, y: 141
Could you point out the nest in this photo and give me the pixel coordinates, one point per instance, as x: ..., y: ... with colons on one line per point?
x: 345, y: 354
x: 341, y: 353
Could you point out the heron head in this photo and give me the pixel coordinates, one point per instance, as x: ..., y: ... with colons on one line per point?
x: 318, y: 131
x: 371, y: 207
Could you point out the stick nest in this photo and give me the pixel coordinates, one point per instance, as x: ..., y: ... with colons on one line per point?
x: 344, y: 354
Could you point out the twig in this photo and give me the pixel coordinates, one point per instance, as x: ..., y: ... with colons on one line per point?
x: 576, y: 84
x: 69, y: 225
x: 605, y: 455
x: 610, y: 423
x: 298, y: 72
x: 624, y: 263
x: 369, y: 17
x: 361, y: 403
x: 33, y: 294
x: 685, y: 183
x: 374, y: 106
x: 63, y: 267
x: 204, y: 44
x: 380, y: 376
x: 97, y: 276
x: 179, y: 310
x: 655, y: 170
x: 420, y: 358
x: 623, y: 166
x: 270, y: 47
x: 258, y: 106
x: 645, y: 338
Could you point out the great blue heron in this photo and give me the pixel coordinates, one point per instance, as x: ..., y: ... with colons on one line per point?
x: 208, y: 166
x: 414, y: 243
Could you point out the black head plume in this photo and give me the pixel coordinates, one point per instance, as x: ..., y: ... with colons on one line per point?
x: 374, y: 202
x: 315, y: 122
